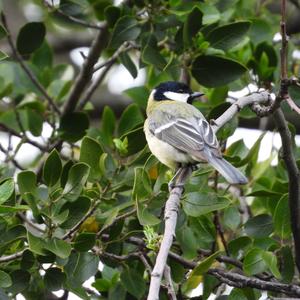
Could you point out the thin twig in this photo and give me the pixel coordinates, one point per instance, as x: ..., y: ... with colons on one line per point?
x: 262, y: 97
x: 170, y: 286
x: 294, y: 179
x: 171, y: 210
x: 30, y: 75
x: 86, y: 72
x: 74, y: 19
x: 12, y: 257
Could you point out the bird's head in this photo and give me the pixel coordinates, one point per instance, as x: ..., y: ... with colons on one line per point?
x: 176, y: 91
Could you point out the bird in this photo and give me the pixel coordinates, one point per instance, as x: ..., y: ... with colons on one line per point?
x: 178, y: 134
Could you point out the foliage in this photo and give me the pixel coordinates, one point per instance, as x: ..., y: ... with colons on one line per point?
x: 102, y: 199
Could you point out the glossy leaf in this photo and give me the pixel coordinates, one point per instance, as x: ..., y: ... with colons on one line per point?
x: 133, y: 283
x: 54, y: 279
x: 130, y: 119
x: 254, y: 262
x: 227, y: 36
x: 129, y: 64
x: 197, y: 203
x: 27, y: 182
x: 90, y: 153
x: 5, y: 280
x: 195, y: 277
x: 259, y: 226
x: 77, y: 177
x: 7, y: 188
x: 73, y: 126
x: 31, y: 37
x: 282, y: 222
x: 85, y: 241
x: 214, y: 71
x: 52, y: 168
x: 126, y: 29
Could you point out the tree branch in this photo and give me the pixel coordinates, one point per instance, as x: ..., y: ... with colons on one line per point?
x: 170, y: 286
x: 86, y: 72
x: 11, y: 257
x: 171, y: 211
x: 30, y: 75
x: 294, y: 179
x: 255, y: 98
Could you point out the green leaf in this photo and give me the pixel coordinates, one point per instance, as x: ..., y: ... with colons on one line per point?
x: 130, y: 119
x: 282, y: 219
x: 73, y: 126
x: 77, y: 178
x: 260, y: 31
x: 270, y: 260
x: 77, y: 209
x: 232, y: 217
x: 90, y: 152
x: 136, y: 141
x: 139, y: 95
x: 31, y: 37
x: 112, y: 14
x: 191, y: 26
x: 239, y: 245
x: 237, y: 294
x: 20, y: 281
x: 3, y: 55
x: 36, y: 244
x: 126, y: 29
x: 43, y: 57
x: 7, y: 189
x: 200, y: 203
x: 151, y: 54
x: 195, y: 277
x: 253, y: 262
x: 259, y: 226
x: 128, y: 64
x: 54, y: 279
x: 108, y: 125
x: 27, y: 182
x: 80, y: 267
x: 85, y: 241
x: 4, y: 209
x: 210, y: 13
x: 5, y: 280
x: 213, y: 71
x: 227, y: 36
x: 52, y: 168
x: 102, y: 285
x: 287, y: 264
x: 133, y: 283
x: 34, y: 121
x: 3, y: 32
x: 59, y: 247
x: 28, y: 260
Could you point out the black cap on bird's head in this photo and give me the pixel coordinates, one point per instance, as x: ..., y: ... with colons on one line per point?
x: 173, y: 90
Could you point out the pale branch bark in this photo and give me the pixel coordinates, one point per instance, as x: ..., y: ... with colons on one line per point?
x: 169, y: 283
x: 25, y: 68
x: 86, y: 72
x: 171, y: 211
x: 255, y: 98
x: 294, y: 179
x: 11, y: 257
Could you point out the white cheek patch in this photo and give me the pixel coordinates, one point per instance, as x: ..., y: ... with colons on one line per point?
x: 177, y: 96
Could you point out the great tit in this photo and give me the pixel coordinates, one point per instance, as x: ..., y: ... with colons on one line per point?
x: 178, y: 134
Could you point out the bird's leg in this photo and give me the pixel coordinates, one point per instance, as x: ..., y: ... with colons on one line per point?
x: 172, y: 184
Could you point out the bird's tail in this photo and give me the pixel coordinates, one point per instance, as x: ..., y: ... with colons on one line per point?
x: 228, y: 171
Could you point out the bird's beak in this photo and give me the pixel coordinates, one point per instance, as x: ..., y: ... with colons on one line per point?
x: 195, y: 95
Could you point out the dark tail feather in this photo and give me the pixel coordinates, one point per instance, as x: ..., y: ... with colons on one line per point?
x: 228, y: 171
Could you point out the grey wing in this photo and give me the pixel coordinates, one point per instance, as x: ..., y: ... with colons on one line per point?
x: 194, y: 136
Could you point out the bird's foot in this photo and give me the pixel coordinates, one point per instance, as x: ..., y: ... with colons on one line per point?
x: 172, y: 184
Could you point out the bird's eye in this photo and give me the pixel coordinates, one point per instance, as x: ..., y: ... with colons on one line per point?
x: 181, y: 91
